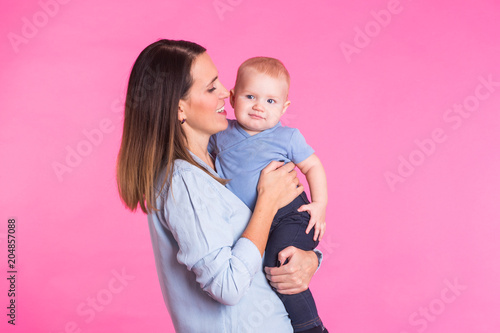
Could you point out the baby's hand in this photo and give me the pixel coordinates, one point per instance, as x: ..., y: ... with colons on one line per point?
x: 317, y: 212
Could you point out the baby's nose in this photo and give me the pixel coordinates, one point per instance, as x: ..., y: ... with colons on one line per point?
x: 257, y: 106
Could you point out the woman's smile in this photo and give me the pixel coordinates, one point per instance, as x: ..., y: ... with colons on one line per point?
x: 221, y: 110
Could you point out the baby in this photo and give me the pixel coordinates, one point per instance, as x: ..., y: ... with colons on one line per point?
x: 255, y: 138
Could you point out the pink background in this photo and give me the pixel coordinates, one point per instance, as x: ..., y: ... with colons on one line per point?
x: 412, y: 243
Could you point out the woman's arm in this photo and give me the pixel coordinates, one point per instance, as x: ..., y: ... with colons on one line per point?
x: 199, y: 218
x: 278, y: 186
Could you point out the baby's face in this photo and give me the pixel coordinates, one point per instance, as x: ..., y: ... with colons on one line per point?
x: 259, y: 101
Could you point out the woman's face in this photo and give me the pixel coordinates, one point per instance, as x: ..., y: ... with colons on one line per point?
x: 203, y: 108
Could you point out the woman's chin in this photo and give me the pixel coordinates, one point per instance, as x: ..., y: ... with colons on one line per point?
x: 222, y: 126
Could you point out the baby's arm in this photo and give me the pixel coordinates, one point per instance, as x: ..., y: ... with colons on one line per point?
x: 312, y: 168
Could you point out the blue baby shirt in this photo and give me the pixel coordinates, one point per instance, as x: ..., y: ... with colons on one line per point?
x: 241, y: 157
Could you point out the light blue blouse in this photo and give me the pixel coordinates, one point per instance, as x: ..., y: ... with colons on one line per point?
x: 212, y: 280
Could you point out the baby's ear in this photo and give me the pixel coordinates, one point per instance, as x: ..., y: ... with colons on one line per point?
x: 231, y: 97
x: 285, y: 106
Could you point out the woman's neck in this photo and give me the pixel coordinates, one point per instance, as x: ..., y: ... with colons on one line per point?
x: 200, y: 149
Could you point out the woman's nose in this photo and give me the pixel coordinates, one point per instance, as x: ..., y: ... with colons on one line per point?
x: 224, y: 93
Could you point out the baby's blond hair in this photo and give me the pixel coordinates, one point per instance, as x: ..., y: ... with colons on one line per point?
x: 269, y: 66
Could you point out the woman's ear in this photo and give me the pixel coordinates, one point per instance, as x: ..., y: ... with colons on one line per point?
x: 181, y: 113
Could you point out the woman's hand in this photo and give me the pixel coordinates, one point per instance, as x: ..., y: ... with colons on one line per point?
x: 294, y: 276
x: 278, y: 184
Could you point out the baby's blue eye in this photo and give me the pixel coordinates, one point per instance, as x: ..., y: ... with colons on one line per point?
x: 271, y: 101
x: 250, y: 96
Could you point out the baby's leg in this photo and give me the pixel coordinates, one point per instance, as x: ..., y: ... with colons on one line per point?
x: 289, y: 229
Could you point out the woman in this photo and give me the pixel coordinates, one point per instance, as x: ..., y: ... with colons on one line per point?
x: 208, y: 245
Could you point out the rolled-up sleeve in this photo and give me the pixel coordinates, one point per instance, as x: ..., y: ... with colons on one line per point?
x: 200, y: 221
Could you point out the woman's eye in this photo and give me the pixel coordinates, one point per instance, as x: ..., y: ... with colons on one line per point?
x: 250, y: 96
x: 211, y: 89
x: 271, y: 101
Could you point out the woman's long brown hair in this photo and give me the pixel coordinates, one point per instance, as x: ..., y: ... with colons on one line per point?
x: 152, y: 134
